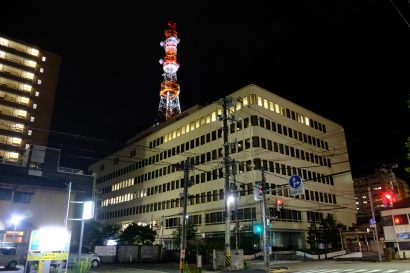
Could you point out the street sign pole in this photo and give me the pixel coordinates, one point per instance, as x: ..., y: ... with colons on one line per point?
x: 375, y: 225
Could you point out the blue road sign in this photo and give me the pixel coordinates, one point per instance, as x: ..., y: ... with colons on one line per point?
x: 295, y: 181
x: 372, y: 221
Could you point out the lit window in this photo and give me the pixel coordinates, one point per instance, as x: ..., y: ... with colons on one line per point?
x: 37, y: 94
x: 245, y: 101
x: 208, y: 119
x: 21, y: 113
x: 28, y: 75
x: 213, y: 116
x: 19, y: 127
x: 178, y: 132
x: 32, y: 119
x: 27, y: 146
x: 197, y: 123
x: 27, y: 87
x: 219, y: 112
x: 187, y: 128
x: 43, y: 59
x: 31, y: 63
x: 183, y: 131
x: 166, y: 138
x: 38, y: 81
x: 41, y: 70
x: 33, y: 51
x: 307, y: 121
x: 277, y: 108
x: 16, y: 141
x: 174, y: 134
x: 4, y: 41
x: 271, y: 106
x: 29, y: 132
x: 259, y: 101
x: 265, y: 103
x: 34, y: 106
x: 2, y: 54
x: 24, y: 100
x: 13, y: 155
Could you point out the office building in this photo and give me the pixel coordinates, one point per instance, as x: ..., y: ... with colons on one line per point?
x: 28, y: 80
x: 141, y: 183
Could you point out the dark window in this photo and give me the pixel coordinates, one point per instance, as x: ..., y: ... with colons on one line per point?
x: 22, y: 197
x: 254, y: 120
x: 5, y: 194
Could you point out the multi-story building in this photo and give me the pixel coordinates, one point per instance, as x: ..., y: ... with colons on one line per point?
x: 381, y: 181
x: 141, y: 182
x: 28, y: 80
x: 38, y: 195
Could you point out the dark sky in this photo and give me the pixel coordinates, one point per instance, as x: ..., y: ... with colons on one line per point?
x: 346, y: 60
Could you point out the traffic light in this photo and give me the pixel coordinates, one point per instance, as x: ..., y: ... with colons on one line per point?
x: 388, y: 199
x: 257, y: 228
x: 257, y: 192
x: 279, y: 204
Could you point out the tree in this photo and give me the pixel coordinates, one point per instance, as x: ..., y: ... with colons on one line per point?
x: 110, y: 232
x: 96, y: 233
x: 190, y: 234
x: 314, y: 236
x: 137, y: 235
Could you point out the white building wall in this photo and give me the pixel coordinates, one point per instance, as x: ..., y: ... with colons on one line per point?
x: 117, y: 167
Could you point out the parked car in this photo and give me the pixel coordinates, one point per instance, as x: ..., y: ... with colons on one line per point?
x: 8, y: 257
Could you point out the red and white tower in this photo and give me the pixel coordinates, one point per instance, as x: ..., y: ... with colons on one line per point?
x: 169, y: 94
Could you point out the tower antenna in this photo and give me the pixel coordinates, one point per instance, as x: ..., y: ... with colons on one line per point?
x: 169, y: 93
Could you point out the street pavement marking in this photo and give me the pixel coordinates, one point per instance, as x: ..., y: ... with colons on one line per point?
x: 376, y: 270
x: 393, y: 270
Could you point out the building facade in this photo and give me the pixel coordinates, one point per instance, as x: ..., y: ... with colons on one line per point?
x: 28, y: 80
x: 396, y: 229
x: 383, y: 179
x: 38, y: 195
x: 141, y: 183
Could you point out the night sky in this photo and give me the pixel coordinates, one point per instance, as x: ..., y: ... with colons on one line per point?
x: 346, y: 60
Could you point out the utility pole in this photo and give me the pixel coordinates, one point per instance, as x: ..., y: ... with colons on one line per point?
x: 227, y: 186
x: 375, y: 224
x: 236, y: 196
x: 184, y: 216
x: 264, y: 223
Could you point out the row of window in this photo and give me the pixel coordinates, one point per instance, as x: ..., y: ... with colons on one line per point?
x: 246, y: 100
x: 271, y: 166
x: 18, y: 197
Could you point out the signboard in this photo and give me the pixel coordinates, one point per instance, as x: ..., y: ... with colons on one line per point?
x: 296, y: 186
x: 45, y: 255
x: 403, y: 236
x: 372, y: 221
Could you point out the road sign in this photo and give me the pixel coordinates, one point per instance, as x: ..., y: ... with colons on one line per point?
x: 372, y: 221
x: 296, y: 185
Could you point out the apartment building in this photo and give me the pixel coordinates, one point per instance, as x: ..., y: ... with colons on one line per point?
x: 28, y: 80
x: 382, y: 180
x: 141, y: 183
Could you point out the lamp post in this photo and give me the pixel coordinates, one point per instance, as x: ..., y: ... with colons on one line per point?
x: 88, y: 213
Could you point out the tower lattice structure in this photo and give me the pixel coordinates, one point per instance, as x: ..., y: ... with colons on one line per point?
x: 169, y: 93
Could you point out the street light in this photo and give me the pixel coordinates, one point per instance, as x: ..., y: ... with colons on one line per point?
x: 88, y: 213
x: 15, y: 220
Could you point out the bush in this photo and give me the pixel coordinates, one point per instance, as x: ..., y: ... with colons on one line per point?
x: 82, y: 266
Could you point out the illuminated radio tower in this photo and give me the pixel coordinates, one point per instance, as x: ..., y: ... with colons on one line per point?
x: 169, y: 94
